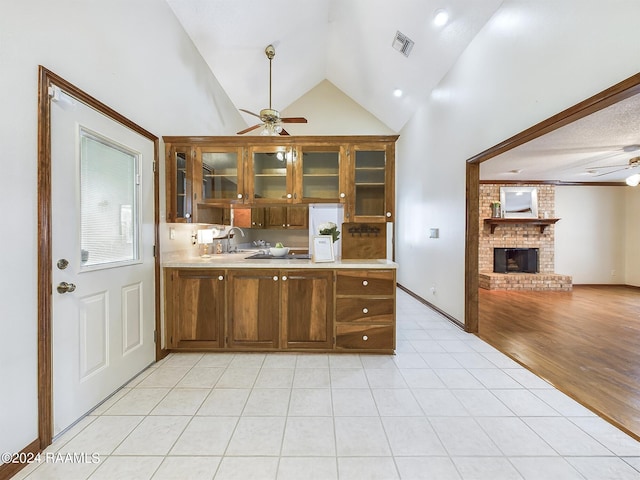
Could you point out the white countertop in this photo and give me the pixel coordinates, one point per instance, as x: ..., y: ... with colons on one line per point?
x: 239, y: 260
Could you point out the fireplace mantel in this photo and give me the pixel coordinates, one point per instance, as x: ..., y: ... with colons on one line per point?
x: 541, y: 222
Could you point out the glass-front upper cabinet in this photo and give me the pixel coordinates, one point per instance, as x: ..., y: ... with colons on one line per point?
x: 270, y: 176
x: 179, y: 184
x: 320, y: 175
x: 372, y: 187
x: 221, y: 175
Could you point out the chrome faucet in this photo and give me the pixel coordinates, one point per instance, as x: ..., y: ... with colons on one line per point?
x: 229, y: 237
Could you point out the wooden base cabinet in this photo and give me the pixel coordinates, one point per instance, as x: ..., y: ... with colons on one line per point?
x: 280, y: 309
x: 254, y: 309
x: 195, y: 304
x: 365, y: 310
x: 307, y: 317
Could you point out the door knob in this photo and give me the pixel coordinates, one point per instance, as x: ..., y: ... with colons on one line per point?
x: 62, y: 263
x: 65, y: 287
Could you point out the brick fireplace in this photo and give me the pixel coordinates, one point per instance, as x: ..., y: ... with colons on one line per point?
x: 519, y: 236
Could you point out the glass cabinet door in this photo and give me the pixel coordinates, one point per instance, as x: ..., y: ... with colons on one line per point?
x: 270, y: 174
x: 179, y: 186
x: 319, y: 174
x: 222, y: 179
x: 372, y: 179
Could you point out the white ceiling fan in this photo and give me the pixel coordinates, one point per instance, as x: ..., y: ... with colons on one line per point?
x: 633, y: 163
x: 271, y: 118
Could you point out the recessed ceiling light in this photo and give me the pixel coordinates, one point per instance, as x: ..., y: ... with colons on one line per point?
x: 440, y: 17
x: 518, y: 170
x: 397, y: 93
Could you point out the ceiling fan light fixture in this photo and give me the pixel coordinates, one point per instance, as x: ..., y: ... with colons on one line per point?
x: 633, y: 180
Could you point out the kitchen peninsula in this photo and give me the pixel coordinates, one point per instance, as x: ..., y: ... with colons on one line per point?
x: 231, y: 303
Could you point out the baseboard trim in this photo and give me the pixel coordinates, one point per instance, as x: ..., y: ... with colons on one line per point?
x: 452, y: 319
x: 8, y: 470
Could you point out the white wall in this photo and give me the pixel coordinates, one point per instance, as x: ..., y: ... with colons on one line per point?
x: 632, y: 258
x: 131, y: 55
x: 532, y: 60
x: 591, y: 234
x: 331, y: 112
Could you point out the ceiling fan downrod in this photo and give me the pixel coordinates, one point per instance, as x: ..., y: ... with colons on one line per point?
x: 270, y: 52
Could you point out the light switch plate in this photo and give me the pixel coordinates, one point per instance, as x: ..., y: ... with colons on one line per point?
x: 434, y: 233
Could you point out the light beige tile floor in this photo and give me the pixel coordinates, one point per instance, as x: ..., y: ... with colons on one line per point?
x: 447, y: 406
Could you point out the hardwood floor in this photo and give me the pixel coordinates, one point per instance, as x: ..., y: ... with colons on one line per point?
x: 586, y: 343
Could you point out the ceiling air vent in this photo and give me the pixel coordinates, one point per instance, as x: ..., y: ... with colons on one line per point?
x: 402, y: 43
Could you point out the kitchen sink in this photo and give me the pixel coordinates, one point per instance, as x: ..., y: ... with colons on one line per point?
x: 289, y: 256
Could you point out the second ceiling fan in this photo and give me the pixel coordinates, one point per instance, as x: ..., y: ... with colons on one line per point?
x: 271, y: 118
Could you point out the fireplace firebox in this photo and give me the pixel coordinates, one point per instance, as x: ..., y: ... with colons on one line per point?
x: 515, y: 260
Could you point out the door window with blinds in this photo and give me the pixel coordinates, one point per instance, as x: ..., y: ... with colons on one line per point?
x: 109, y: 203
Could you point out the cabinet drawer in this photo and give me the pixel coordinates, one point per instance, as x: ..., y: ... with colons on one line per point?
x: 365, y: 310
x: 372, y: 282
x: 366, y: 337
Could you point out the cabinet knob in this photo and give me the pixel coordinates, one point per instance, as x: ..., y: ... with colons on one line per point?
x: 365, y: 310
x: 283, y: 225
x: 365, y: 283
x: 187, y: 215
x: 284, y: 278
x: 220, y: 277
x: 239, y: 195
x: 253, y: 223
x: 388, y: 214
x: 342, y: 195
x: 275, y: 278
x: 288, y: 224
x: 289, y: 195
x: 365, y: 338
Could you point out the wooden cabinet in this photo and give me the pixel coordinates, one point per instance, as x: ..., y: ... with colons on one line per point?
x: 307, y: 302
x: 179, y: 183
x: 195, y: 303
x: 321, y: 173
x: 357, y: 171
x: 254, y: 309
x: 365, y: 310
x: 294, y: 217
x: 272, y: 309
x: 371, y: 193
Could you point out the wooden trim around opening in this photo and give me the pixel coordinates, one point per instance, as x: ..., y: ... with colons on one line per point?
x: 47, y: 79
x: 620, y: 91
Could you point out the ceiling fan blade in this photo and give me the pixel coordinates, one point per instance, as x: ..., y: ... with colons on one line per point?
x: 293, y: 120
x: 249, y: 129
x: 609, y: 166
x: 613, y: 171
x: 284, y: 132
x: 250, y: 113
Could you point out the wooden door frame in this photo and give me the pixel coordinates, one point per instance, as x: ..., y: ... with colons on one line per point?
x: 46, y: 80
x: 620, y: 91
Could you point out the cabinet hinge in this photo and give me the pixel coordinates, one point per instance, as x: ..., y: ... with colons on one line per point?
x: 155, y: 336
x: 334, y: 341
x: 154, y: 251
x: 154, y: 167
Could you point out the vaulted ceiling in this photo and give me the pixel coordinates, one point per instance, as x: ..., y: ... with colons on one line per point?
x: 348, y: 42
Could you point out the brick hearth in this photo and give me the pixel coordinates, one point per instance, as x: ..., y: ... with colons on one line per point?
x: 525, y: 281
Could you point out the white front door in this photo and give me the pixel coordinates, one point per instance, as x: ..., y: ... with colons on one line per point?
x: 102, y: 250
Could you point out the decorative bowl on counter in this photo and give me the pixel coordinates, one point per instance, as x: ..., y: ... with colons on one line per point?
x: 279, y: 251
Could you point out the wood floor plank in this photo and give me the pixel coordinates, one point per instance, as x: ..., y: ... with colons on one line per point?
x: 585, y: 342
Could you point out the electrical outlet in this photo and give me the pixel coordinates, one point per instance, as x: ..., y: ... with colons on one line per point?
x: 172, y: 233
x: 433, y: 290
x: 613, y: 273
